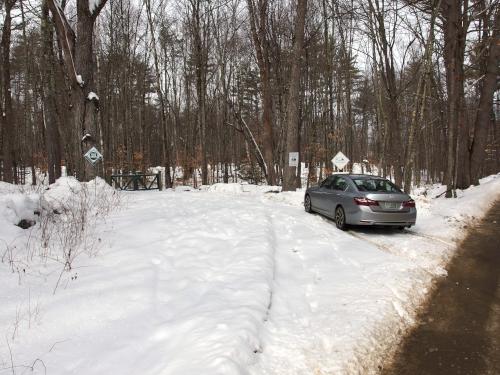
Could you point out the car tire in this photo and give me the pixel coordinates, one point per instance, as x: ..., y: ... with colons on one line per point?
x: 340, y: 218
x: 307, y: 204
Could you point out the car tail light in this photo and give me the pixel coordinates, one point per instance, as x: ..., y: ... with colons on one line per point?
x: 365, y: 202
x: 410, y: 203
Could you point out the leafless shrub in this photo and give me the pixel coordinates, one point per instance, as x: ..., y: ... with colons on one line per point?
x: 11, y: 256
x: 12, y: 367
x: 27, y: 314
x: 68, y: 226
x: 8, y: 255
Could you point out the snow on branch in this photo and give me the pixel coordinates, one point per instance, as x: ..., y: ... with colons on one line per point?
x: 92, y: 96
x: 87, y: 137
x: 80, y: 80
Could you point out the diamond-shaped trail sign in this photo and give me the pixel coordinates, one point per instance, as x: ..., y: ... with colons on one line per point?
x: 340, y: 160
x: 93, y: 156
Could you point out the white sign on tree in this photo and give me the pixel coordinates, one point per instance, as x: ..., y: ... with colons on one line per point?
x: 340, y: 160
x: 293, y: 159
x: 93, y: 156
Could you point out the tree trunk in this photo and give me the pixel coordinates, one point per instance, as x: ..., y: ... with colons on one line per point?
x: 454, y: 45
x: 165, y: 141
x: 258, y: 26
x: 485, y: 108
x: 291, y: 179
x: 419, y: 105
x: 390, y: 102
x: 52, y: 137
x: 7, y: 121
x: 79, y: 63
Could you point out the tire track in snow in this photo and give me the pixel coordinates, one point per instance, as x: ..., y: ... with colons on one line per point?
x: 319, y: 341
x: 272, y: 240
x: 400, y: 299
x: 294, y: 337
x: 433, y: 238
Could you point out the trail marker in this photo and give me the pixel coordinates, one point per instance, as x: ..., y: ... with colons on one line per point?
x: 340, y: 160
x: 93, y: 156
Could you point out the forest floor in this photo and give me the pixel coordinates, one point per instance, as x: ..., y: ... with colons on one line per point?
x: 230, y: 279
x: 458, y: 331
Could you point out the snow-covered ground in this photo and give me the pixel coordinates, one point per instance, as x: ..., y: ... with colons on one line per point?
x: 230, y: 279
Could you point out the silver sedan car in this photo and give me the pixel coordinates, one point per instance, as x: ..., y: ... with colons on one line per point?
x: 361, y: 200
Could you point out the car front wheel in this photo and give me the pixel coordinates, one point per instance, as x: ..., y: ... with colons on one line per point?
x: 340, y: 218
x: 307, y: 204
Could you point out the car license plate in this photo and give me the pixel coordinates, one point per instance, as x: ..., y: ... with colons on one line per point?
x: 391, y: 205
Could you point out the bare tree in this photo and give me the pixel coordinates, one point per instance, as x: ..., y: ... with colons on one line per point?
x: 489, y: 70
x: 291, y: 177
x: 455, y: 24
x: 165, y: 141
x: 425, y: 70
x: 79, y: 63
x: 384, y: 41
x: 52, y: 135
x: 182, y: 85
x: 259, y: 30
x: 7, y: 119
x: 200, y: 29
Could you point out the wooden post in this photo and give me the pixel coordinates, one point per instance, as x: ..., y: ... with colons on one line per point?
x: 160, y: 185
x: 135, y: 181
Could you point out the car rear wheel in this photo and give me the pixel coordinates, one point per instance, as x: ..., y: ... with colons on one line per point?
x: 340, y: 218
x: 307, y: 204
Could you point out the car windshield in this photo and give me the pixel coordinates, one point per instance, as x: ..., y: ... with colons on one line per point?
x: 376, y: 185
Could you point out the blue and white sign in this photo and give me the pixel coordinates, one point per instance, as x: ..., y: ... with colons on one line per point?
x: 93, y: 156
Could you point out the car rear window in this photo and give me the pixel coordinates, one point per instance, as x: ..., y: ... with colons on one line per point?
x: 376, y: 185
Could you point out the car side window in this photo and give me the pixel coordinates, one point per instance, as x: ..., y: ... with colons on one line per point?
x: 327, y: 182
x: 340, y: 184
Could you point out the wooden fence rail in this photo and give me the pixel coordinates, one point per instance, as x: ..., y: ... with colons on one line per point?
x: 136, y: 181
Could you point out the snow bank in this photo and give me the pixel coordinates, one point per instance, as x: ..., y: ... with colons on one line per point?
x: 58, y: 221
x: 294, y: 198
x: 68, y: 192
x: 174, y: 292
x: 184, y: 188
x: 236, y: 188
x: 15, y: 205
x: 448, y: 219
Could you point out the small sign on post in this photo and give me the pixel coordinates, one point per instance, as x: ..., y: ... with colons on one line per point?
x: 340, y: 160
x: 93, y: 156
x: 293, y: 159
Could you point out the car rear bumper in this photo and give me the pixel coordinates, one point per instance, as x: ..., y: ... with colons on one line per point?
x: 365, y: 216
